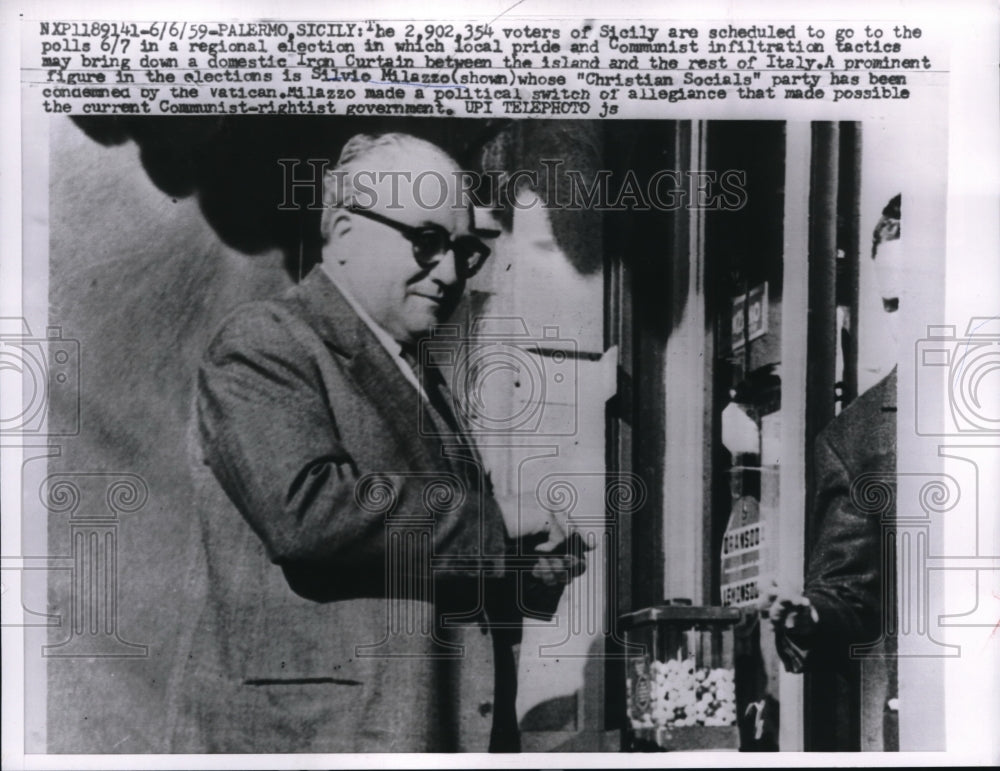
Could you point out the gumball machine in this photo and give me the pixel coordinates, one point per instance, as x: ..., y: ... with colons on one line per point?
x: 680, y: 678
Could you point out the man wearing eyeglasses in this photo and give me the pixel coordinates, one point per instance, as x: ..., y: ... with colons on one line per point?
x: 363, y: 601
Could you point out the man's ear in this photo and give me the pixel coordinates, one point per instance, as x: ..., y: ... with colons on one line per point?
x: 339, y: 226
x: 340, y: 223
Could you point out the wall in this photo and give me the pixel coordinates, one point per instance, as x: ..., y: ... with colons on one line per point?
x: 140, y: 279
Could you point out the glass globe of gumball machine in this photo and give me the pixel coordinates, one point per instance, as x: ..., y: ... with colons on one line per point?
x: 680, y: 678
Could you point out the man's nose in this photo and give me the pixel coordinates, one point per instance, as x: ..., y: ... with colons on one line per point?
x: 445, y: 271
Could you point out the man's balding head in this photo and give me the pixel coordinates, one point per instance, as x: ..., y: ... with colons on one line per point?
x: 382, y: 188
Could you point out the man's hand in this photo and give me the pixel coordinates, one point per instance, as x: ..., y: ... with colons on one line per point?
x: 560, y: 559
x: 789, y: 611
x: 557, y: 560
x: 543, y: 533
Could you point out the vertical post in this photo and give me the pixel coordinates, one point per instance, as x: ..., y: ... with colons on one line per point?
x: 645, y: 253
x: 619, y: 330
x: 820, y: 401
x: 687, y: 374
x: 850, y: 197
x: 794, y: 358
x: 822, y: 318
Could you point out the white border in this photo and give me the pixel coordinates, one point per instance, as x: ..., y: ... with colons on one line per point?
x: 973, y: 288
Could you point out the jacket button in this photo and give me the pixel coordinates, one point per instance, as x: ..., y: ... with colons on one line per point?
x: 485, y: 708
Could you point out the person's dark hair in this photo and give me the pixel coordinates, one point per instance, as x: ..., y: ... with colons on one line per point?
x: 887, y: 228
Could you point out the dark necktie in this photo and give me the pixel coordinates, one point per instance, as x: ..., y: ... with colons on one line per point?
x: 450, y: 428
x: 458, y: 447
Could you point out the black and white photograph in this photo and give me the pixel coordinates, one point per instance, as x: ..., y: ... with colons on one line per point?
x: 379, y: 432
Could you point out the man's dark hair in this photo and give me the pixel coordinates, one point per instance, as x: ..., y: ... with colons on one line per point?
x: 887, y: 228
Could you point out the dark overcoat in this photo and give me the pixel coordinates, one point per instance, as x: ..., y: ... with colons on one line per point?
x: 850, y: 567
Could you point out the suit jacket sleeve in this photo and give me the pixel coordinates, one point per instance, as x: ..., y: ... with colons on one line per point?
x: 269, y: 435
x: 266, y: 432
x: 842, y: 578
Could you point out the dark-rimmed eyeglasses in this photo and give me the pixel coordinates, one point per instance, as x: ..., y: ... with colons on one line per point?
x: 431, y: 241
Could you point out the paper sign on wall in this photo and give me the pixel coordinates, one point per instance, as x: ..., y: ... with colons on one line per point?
x: 749, y: 316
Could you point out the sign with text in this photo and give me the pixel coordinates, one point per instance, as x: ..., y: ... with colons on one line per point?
x: 742, y: 544
x: 749, y: 316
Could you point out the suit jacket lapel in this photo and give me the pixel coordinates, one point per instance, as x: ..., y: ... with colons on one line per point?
x: 371, y: 367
